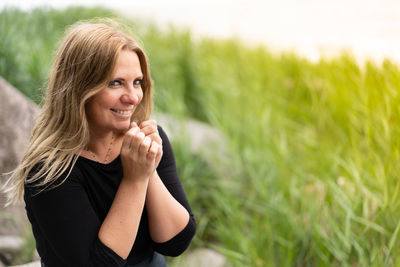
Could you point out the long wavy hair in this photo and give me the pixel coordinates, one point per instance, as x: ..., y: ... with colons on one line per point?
x: 83, y: 65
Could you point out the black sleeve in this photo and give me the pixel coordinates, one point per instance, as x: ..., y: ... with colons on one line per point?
x: 169, y: 176
x: 66, y: 222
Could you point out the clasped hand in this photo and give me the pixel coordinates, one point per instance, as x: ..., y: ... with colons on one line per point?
x: 141, y: 150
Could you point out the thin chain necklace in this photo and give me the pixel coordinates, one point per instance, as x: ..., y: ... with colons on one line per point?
x: 107, y: 154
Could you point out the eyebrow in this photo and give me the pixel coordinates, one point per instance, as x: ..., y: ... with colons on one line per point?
x: 123, y: 79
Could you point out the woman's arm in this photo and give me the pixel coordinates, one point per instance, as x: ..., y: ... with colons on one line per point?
x: 171, y: 221
x: 167, y: 217
x: 119, y: 228
x: 140, y: 156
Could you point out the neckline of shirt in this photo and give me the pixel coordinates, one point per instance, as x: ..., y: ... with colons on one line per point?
x: 110, y: 164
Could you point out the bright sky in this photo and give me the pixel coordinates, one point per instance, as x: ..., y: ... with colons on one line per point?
x: 368, y: 28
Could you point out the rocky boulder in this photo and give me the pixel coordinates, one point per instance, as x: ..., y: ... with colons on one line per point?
x: 17, y: 115
x: 201, y: 138
x: 202, y: 257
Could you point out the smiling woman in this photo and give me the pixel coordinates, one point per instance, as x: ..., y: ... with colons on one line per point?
x: 112, y: 108
x: 98, y: 177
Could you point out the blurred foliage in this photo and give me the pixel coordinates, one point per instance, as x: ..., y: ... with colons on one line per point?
x: 28, y: 42
x: 313, y: 174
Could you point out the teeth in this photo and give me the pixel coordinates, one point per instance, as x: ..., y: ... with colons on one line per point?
x: 123, y: 112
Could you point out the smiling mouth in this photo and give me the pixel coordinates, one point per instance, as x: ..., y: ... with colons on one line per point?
x: 122, y: 112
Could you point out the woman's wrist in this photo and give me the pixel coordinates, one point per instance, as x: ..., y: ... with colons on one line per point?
x: 128, y: 180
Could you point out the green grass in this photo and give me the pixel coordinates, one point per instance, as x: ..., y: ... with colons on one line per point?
x: 313, y: 169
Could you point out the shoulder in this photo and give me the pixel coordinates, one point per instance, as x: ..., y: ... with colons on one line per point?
x: 162, y: 133
x: 62, y: 175
x: 168, y: 158
x: 165, y: 140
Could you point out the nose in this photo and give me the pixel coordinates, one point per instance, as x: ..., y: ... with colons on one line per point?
x: 132, y: 96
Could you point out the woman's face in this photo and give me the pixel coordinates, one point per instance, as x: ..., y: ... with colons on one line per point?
x: 111, y: 109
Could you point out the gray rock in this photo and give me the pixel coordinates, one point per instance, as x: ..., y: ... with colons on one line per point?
x: 17, y: 115
x: 31, y: 264
x: 203, y: 257
x: 36, y: 256
x: 201, y: 138
x: 10, y: 243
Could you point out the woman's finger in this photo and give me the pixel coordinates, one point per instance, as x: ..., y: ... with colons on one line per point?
x: 148, y: 123
x: 159, y: 155
x: 137, y: 139
x: 145, y: 146
x: 126, y: 143
x: 149, y: 129
x: 153, y: 150
x: 133, y: 125
x: 156, y: 138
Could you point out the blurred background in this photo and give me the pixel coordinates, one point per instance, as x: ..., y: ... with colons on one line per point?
x: 299, y: 98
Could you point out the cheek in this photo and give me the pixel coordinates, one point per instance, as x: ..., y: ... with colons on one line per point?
x: 96, y: 106
x: 105, y: 101
x: 92, y: 111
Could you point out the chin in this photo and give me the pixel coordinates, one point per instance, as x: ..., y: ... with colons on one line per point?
x: 123, y: 127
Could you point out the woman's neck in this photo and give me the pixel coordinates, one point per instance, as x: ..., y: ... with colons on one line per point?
x: 104, y: 147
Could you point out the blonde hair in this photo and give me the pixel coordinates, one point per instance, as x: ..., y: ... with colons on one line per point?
x: 83, y: 64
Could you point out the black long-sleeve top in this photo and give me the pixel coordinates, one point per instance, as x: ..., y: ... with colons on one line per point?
x: 66, y: 220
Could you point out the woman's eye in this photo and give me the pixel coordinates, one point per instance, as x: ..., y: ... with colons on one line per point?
x: 114, y: 83
x: 137, y: 82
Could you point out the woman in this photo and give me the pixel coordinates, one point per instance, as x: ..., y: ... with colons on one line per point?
x: 98, y: 177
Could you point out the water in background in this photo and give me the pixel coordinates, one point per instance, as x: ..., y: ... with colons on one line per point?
x: 312, y: 28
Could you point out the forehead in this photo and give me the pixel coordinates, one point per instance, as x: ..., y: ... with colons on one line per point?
x: 127, y: 64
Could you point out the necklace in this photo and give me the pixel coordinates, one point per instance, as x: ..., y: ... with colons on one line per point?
x: 107, y: 154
